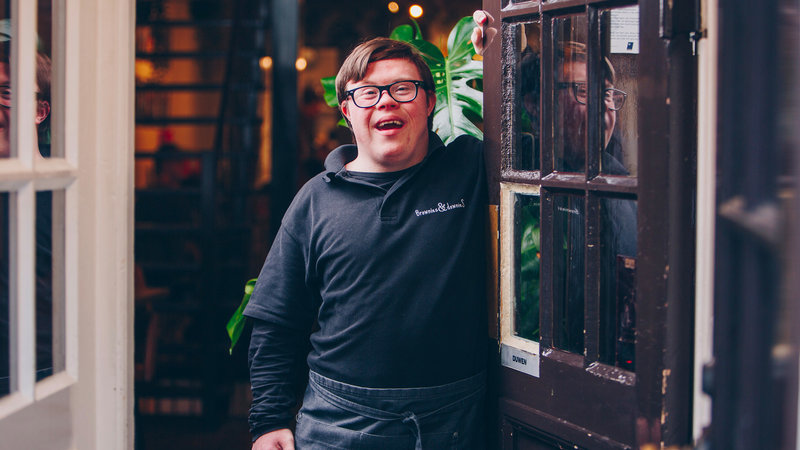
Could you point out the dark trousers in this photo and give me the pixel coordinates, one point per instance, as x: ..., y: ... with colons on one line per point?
x: 341, y: 416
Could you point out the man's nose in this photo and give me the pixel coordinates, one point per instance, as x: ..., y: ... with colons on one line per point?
x: 385, y: 99
x: 608, y: 102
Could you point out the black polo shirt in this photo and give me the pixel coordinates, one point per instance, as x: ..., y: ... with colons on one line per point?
x: 392, y: 281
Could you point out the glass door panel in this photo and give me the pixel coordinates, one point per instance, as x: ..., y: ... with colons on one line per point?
x: 528, y: 66
x: 527, y: 228
x: 569, y: 257
x: 617, y: 307
x: 570, y: 93
x: 620, y: 70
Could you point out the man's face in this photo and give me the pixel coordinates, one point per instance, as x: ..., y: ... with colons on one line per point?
x: 5, y: 116
x: 390, y: 136
x: 574, y: 113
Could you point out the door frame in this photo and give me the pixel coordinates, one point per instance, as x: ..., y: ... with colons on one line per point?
x: 666, y: 195
x: 90, y: 404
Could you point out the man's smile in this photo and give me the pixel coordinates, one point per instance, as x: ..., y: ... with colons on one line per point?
x: 389, y: 124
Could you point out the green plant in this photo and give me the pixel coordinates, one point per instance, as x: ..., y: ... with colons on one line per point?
x: 236, y: 323
x: 457, y: 76
x: 527, y: 310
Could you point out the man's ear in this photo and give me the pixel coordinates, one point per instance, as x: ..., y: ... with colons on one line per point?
x: 42, y: 111
x: 430, y: 96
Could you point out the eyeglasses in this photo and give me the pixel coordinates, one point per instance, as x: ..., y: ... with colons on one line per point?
x: 402, y: 91
x: 614, y: 98
x: 5, y: 96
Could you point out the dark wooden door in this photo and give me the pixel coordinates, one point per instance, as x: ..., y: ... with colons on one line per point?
x: 590, y: 146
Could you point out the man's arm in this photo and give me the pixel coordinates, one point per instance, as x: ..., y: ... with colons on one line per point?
x: 282, y: 314
x: 277, y: 368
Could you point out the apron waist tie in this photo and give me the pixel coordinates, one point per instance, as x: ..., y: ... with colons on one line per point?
x: 407, y: 418
x: 410, y: 417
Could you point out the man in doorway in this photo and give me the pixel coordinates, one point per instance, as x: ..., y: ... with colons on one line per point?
x: 376, y: 277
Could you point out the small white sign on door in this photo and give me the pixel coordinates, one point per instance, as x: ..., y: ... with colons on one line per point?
x: 625, y: 30
x: 521, y: 360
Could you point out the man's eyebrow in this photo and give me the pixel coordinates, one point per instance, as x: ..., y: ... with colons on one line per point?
x: 372, y: 83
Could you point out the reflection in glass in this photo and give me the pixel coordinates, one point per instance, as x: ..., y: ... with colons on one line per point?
x: 568, y: 272
x: 620, y: 29
x: 41, y: 95
x: 5, y: 86
x: 569, y: 116
x: 5, y: 331
x: 50, y: 350
x: 529, y: 70
x: 44, y: 75
x: 618, y: 282
x: 44, y: 284
x: 526, y: 227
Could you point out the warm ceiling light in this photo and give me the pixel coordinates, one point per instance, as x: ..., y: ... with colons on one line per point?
x: 393, y: 7
x: 415, y: 11
x: 301, y: 64
x: 265, y: 63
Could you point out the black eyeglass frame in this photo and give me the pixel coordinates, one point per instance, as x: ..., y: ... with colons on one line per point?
x: 388, y: 88
x: 5, y: 96
x: 573, y: 86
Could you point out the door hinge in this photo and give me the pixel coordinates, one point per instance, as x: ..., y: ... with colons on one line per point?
x: 679, y: 18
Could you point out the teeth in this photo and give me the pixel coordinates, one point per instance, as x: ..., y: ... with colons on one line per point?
x: 390, y: 123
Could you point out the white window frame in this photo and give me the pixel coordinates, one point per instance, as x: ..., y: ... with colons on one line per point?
x: 89, y: 405
x: 23, y: 175
x: 508, y: 267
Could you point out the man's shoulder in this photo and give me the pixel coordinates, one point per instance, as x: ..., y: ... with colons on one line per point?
x: 466, y: 141
x: 465, y: 145
x: 463, y: 151
x: 307, y: 196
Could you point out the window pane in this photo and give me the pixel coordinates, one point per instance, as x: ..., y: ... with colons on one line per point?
x: 568, y: 272
x: 5, y: 331
x: 617, y: 281
x: 49, y: 283
x: 526, y: 228
x: 44, y: 284
x: 569, y: 121
x: 44, y: 105
x: 529, y: 70
x: 43, y: 76
x: 5, y: 83
x: 620, y: 29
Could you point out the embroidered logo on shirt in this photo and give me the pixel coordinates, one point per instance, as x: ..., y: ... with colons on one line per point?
x: 440, y: 208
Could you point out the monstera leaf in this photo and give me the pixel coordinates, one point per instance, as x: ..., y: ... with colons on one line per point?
x: 329, y: 85
x: 452, y: 74
x: 236, y: 323
x: 407, y: 33
x: 456, y: 100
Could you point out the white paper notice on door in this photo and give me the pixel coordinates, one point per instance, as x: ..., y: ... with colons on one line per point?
x: 625, y: 30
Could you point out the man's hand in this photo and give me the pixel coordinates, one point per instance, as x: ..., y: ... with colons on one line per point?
x: 275, y: 440
x: 483, y: 33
